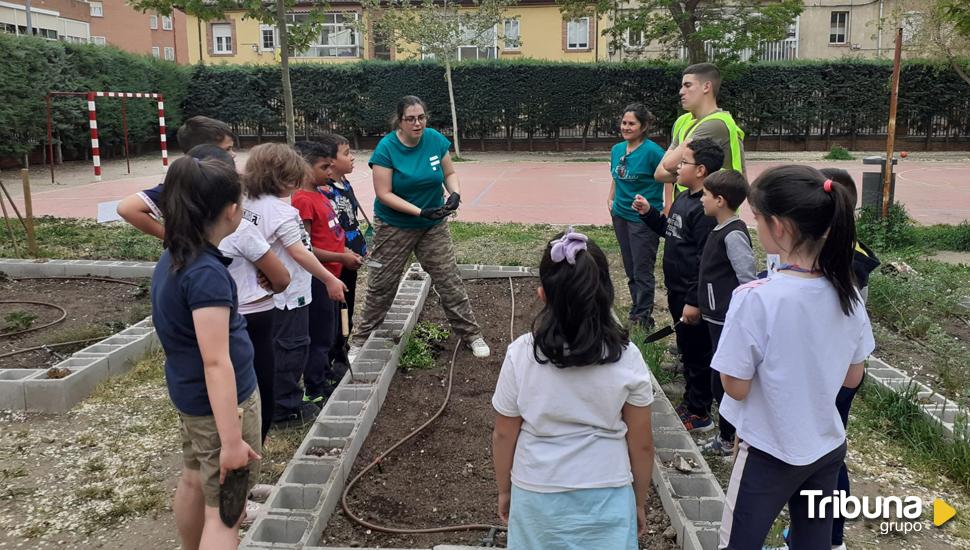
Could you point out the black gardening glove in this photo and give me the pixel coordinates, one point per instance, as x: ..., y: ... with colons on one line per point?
x: 435, y: 213
x: 453, y: 201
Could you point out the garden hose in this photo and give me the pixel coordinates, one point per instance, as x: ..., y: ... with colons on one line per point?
x: 70, y: 278
x: 58, y: 344
x: 445, y: 529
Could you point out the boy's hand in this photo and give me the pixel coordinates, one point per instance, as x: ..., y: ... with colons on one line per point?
x: 263, y: 282
x: 691, y: 315
x: 336, y: 289
x: 640, y: 204
x: 234, y: 455
x: 352, y: 261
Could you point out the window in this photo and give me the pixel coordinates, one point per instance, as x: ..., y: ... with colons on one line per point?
x: 512, y: 41
x: 221, y: 38
x: 99, y: 40
x: 634, y: 39
x: 577, y: 34
x: 155, y: 53
x: 839, y: 29
x: 471, y: 49
x: 169, y: 53
x: 153, y: 22
x: 267, y: 38
x: 97, y: 9
x: 166, y: 23
x: 337, y: 37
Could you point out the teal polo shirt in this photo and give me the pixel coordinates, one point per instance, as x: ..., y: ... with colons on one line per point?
x: 417, y: 176
x: 636, y: 178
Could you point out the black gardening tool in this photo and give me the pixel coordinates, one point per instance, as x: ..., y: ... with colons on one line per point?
x: 232, y: 496
x: 661, y: 334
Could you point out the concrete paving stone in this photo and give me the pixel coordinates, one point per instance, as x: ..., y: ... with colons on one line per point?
x: 130, y: 271
x: 326, y: 426
x: 379, y: 355
x: 295, y: 499
x: 662, y: 420
x: 58, y: 396
x: 13, y: 396
x: 687, y: 486
x: 375, y: 343
x: 673, y: 439
x: 702, y: 509
x: 357, y: 392
x: 705, y: 538
x: 947, y: 415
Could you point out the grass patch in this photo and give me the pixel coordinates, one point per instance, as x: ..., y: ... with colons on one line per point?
x: 280, y: 447
x: 456, y: 158
x: 653, y: 353
x: 837, y: 152
x: 921, y: 441
x: 76, y: 239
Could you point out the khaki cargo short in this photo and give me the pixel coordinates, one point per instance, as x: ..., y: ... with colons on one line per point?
x: 200, y: 446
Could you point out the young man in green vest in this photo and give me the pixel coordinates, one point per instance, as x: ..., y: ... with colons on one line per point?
x: 698, y: 96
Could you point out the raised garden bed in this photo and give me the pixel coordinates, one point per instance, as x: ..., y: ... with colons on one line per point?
x: 444, y: 476
x: 95, y: 309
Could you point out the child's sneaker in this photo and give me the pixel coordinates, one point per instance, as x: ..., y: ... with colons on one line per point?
x: 698, y: 424
x: 719, y: 446
x: 682, y: 412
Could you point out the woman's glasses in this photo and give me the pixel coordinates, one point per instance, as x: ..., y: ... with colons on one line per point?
x: 412, y: 119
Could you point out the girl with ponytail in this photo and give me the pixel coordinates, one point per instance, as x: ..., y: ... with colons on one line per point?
x: 791, y: 342
x: 573, y: 398
x: 208, y: 355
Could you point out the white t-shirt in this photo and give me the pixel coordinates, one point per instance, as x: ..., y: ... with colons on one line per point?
x: 788, y: 335
x: 573, y: 435
x: 279, y: 223
x: 246, y: 246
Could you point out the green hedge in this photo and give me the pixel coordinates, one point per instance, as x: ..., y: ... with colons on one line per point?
x: 32, y: 67
x: 497, y: 98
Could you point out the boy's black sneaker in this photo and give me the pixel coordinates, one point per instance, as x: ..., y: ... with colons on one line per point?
x: 306, y: 414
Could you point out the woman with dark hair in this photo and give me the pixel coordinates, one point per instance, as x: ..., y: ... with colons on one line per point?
x: 633, y: 162
x: 411, y: 164
x: 572, y: 444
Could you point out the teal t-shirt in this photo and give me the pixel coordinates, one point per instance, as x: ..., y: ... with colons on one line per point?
x: 636, y: 177
x: 418, y: 176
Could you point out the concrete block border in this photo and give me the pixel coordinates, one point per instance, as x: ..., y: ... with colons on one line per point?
x: 937, y: 408
x: 33, y: 389
x: 693, y: 500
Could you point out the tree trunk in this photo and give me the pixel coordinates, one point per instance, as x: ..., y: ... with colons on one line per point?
x: 585, y: 133
x: 59, y: 153
x: 454, y: 113
x: 686, y: 23
x: 285, y: 71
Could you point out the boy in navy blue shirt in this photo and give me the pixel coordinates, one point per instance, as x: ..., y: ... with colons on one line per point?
x: 143, y: 210
x: 685, y: 233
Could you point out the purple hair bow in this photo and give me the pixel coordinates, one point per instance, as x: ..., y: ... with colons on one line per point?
x: 567, y: 246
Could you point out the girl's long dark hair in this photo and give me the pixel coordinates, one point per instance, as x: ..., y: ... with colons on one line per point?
x: 194, y: 195
x: 577, y: 326
x: 820, y: 218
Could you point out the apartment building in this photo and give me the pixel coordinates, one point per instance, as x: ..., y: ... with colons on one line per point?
x: 100, y: 22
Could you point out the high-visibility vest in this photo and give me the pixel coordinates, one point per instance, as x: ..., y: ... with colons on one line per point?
x: 686, y: 125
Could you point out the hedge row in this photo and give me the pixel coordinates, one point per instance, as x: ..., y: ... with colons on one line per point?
x: 496, y: 98
x: 32, y: 66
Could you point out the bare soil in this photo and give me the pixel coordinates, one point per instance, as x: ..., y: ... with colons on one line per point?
x: 444, y: 475
x: 94, y: 308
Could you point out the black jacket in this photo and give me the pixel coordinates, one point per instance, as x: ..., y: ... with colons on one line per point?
x: 863, y: 263
x: 717, y: 279
x: 686, y: 232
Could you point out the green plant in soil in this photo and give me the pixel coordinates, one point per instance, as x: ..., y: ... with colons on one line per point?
x: 653, y: 353
x: 838, y: 153
x: 424, y: 343
x: 19, y: 320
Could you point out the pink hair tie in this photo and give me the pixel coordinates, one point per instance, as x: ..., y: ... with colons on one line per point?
x: 827, y: 186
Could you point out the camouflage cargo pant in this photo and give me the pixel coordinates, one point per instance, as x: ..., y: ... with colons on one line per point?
x: 388, y: 255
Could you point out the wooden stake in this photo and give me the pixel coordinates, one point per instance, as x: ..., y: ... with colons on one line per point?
x: 6, y: 220
x: 29, y: 213
x: 887, y: 177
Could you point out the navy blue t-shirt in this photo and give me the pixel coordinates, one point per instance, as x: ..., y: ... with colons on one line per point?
x: 205, y: 282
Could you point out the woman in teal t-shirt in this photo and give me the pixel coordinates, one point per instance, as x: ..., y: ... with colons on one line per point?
x: 632, y: 164
x: 411, y: 164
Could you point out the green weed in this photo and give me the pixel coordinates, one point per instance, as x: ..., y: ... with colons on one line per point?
x: 19, y: 320
x: 838, y: 153
x: 423, y: 345
x: 653, y: 353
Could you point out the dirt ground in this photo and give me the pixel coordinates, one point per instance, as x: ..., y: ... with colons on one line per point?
x: 444, y: 475
x: 94, y: 308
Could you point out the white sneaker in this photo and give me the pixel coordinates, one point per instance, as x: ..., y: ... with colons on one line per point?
x: 352, y: 353
x: 479, y: 348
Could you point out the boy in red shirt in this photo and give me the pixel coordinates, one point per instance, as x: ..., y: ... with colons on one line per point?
x: 327, y: 239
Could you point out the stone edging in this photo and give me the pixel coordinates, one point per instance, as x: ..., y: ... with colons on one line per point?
x: 948, y: 414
